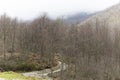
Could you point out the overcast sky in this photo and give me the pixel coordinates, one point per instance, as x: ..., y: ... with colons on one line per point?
x: 28, y: 9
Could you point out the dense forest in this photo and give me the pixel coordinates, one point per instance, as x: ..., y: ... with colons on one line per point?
x: 90, y: 52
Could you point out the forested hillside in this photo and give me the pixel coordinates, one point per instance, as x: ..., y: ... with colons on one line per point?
x: 89, y: 49
x: 29, y: 45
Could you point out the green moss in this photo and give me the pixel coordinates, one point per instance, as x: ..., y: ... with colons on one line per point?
x: 13, y: 75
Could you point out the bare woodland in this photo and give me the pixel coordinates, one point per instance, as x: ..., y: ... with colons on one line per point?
x: 90, y: 51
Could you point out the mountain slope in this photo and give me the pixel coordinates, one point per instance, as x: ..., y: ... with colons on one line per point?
x: 79, y: 17
x: 110, y: 15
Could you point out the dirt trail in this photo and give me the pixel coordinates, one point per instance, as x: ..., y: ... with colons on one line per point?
x: 44, y: 73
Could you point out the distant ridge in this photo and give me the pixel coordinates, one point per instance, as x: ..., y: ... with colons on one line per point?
x: 78, y: 17
x: 111, y: 16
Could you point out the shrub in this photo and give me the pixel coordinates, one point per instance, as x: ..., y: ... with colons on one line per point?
x: 23, y: 64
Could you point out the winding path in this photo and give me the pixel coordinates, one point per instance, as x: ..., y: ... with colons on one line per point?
x: 46, y: 72
x: 43, y: 74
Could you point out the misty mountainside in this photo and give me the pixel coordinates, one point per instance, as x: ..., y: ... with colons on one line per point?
x: 109, y: 17
x: 78, y: 17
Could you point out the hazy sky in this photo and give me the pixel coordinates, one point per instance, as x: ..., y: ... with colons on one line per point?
x: 28, y: 9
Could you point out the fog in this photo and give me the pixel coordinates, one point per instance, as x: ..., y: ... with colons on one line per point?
x: 29, y: 9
